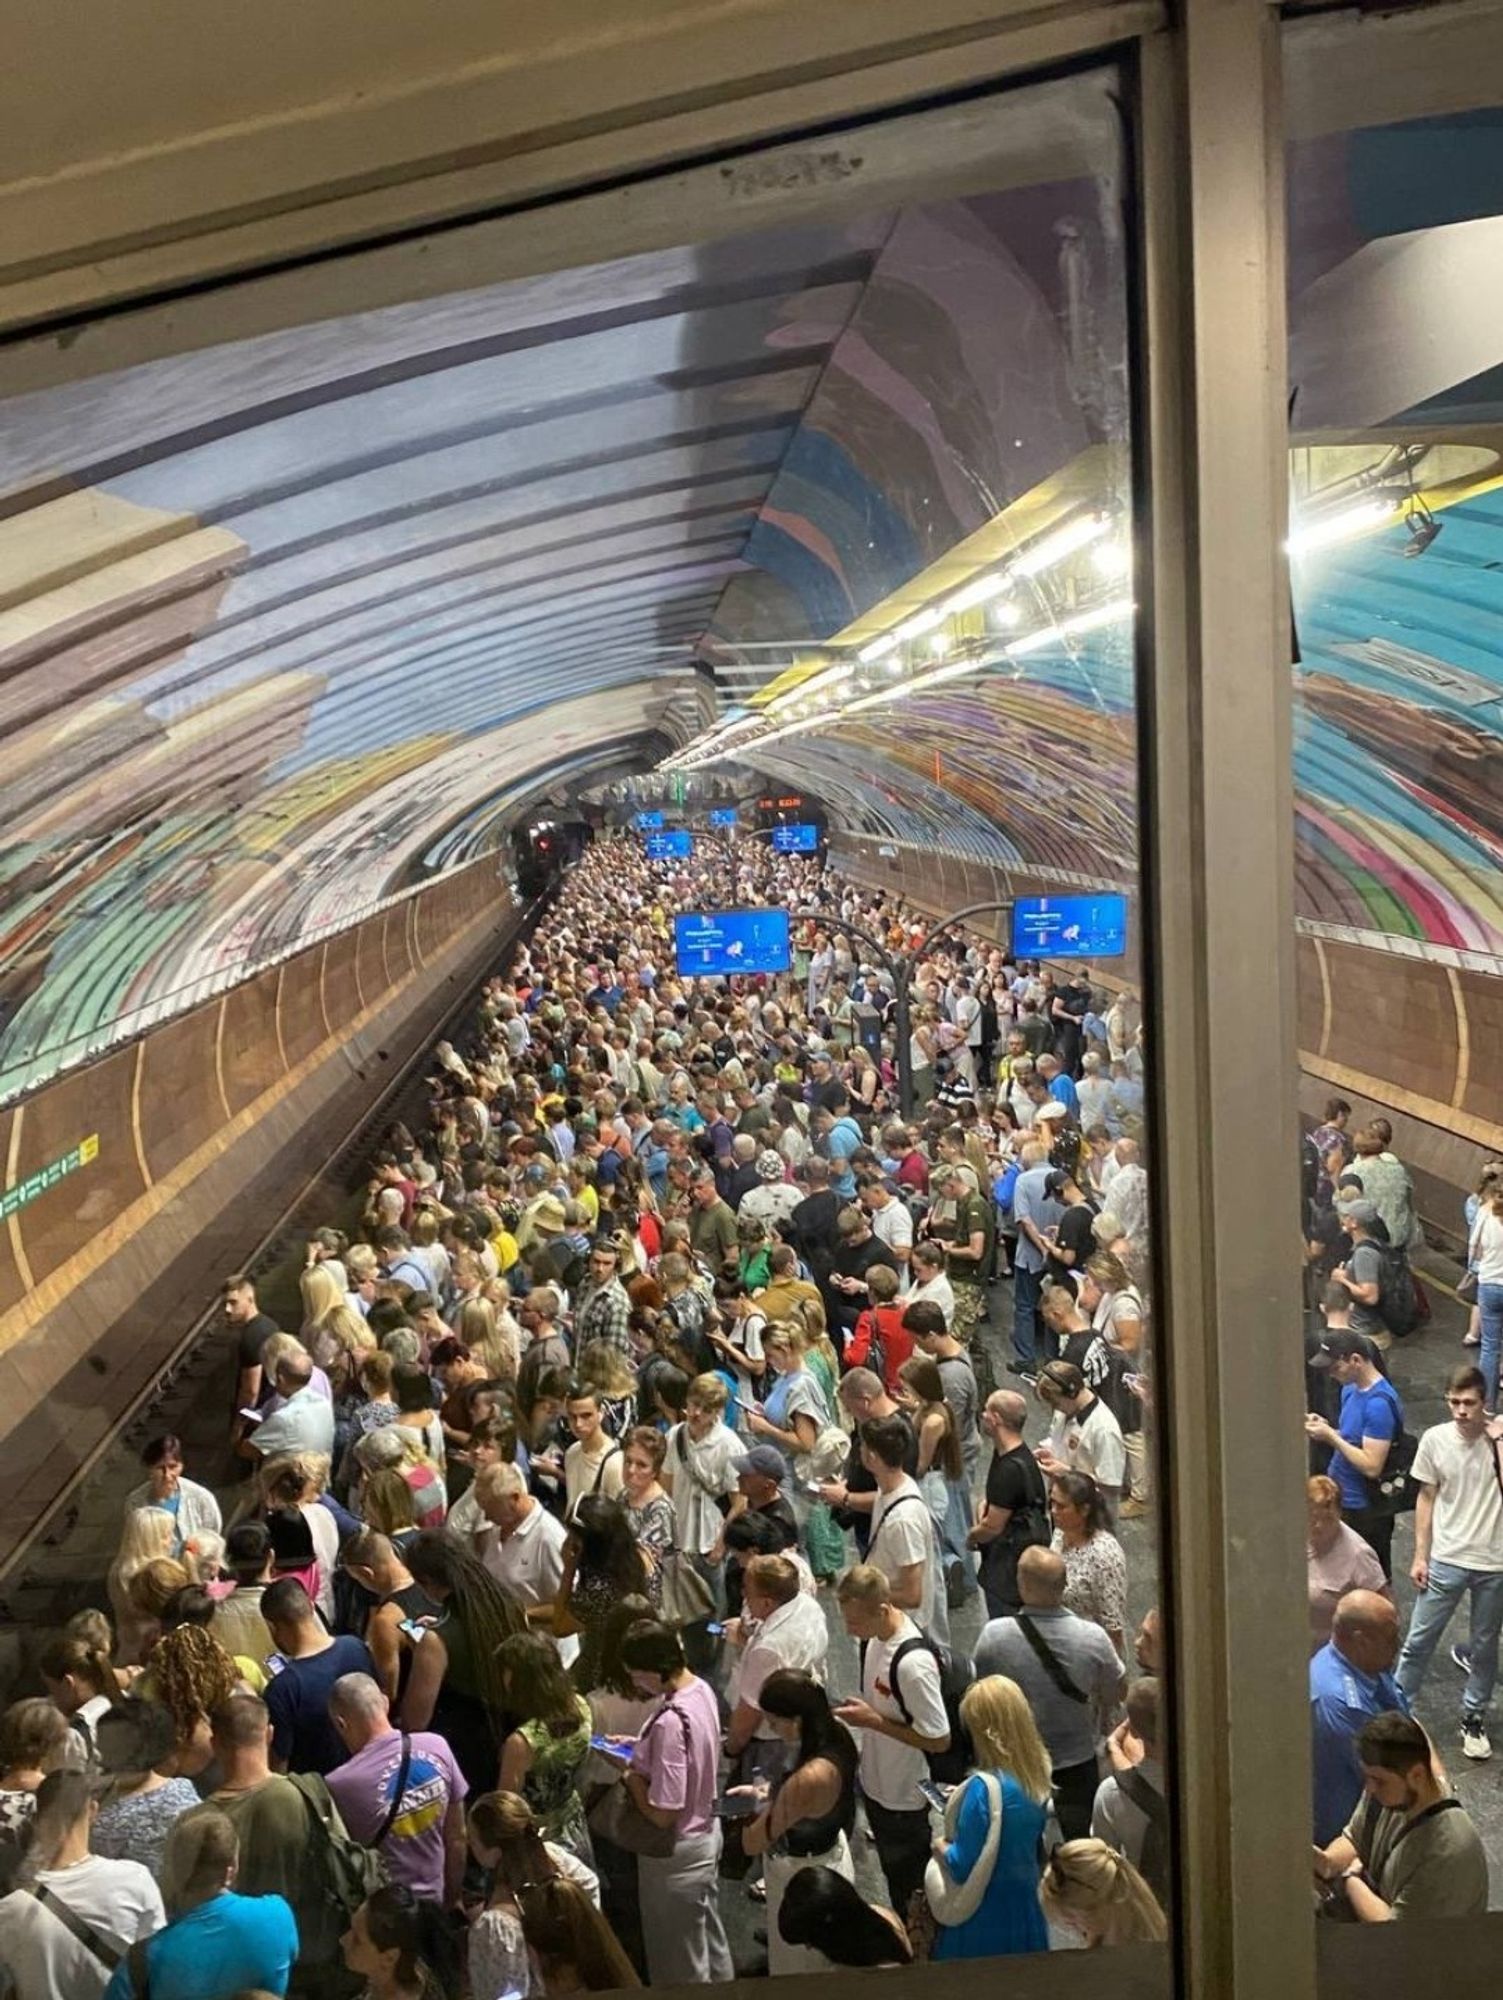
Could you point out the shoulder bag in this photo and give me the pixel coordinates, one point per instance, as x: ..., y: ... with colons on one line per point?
x: 615, y: 1816
x: 955, y: 1902
x: 1048, y: 1659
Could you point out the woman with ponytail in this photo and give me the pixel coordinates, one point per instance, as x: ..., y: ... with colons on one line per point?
x: 399, y: 1944
x: 506, y: 1841
x: 80, y: 1680
x: 1090, y: 1888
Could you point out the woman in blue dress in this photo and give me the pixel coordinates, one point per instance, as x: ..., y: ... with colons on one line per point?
x: 983, y: 1881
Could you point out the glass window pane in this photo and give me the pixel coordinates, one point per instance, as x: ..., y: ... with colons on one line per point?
x: 1396, y: 552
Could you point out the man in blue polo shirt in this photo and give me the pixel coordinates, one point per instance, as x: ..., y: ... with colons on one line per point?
x: 218, y: 1944
x: 1351, y: 1679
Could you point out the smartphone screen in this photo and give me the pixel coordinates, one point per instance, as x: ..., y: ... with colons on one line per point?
x: 609, y: 1748
x: 413, y: 1630
x: 937, y: 1795
x: 715, y: 1631
x: 736, y: 1806
x: 275, y: 1663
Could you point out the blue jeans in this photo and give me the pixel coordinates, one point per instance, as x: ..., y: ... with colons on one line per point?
x: 1490, y: 1313
x: 1433, y: 1611
x: 1027, y: 1289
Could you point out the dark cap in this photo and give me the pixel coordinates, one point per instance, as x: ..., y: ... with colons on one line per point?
x: 1340, y: 1344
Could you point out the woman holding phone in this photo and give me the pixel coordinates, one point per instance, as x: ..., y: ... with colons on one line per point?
x: 807, y: 1822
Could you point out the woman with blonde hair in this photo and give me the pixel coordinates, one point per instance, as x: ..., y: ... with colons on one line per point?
x: 606, y: 1370
x: 322, y: 1292
x: 1090, y: 1888
x: 145, y: 1534
x: 491, y: 1337
x: 982, y: 1884
x: 575, y: 1948
x: 152, y: 1589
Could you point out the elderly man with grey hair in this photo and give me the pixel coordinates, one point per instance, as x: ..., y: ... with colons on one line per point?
x: 400, y: 1795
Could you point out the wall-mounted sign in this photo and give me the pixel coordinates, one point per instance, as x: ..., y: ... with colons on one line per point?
x: 27, y: 1191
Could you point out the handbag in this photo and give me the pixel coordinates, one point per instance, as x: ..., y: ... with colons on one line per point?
x: 615, y: 1816
x: 955, y: 1902
x: 684, y: 1598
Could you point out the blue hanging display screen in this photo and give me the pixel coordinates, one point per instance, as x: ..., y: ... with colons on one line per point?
x: 1069, y: 927
x: 716, y: 942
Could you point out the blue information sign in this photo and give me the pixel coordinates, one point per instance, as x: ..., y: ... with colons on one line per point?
x: 722, y: 815
x: 649, y: 822
x: 721, y: 941
x: 1069, y: 926
x: 676, y: 845
x: 795, y: 839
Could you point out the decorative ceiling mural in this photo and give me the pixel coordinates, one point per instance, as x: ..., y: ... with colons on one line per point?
x: 289, y: 624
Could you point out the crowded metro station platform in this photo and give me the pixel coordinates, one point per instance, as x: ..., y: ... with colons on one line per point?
x: 696, y: 1522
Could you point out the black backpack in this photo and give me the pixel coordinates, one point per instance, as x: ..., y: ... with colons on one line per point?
x: 949, y: 1766
x: 1398, y: 1301
x: 1394, y: 1490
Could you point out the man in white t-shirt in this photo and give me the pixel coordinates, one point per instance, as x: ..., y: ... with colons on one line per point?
x: 700, y: 1470
x: 1084, y: 1436
x: 903, y: 1544
x: 63, y: 1939
x: 890, y: 1220
x: 930, y: 1281
x: 1458, y: 1551
x: 899, y: 1718
x: 592, y: 1464
x: 780, y: 1629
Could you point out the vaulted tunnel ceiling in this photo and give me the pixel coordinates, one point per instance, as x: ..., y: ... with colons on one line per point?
x: 290, y: 624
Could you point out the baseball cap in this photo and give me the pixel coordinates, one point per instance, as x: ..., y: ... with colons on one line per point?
x: 767, y: 1460
x: 1360, y: 1211
x: 1340, y: 1344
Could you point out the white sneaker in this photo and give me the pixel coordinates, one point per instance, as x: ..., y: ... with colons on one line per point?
x: 1474, y: 1743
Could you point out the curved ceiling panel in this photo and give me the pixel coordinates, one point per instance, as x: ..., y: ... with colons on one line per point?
x: 288, y: 624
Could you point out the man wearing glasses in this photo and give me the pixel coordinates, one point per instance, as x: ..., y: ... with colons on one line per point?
x: 1458, y: 1552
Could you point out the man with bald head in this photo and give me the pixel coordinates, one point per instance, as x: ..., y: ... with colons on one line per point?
x: 1014, y: 1513
x: 1351, y: 1680
x: 1070, y: 1673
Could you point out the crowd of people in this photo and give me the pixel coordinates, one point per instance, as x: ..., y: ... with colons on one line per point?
x: 608, y: 1525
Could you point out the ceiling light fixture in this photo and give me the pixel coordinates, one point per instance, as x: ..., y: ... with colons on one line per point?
x: 877, y: 649
x: 1343, y: 525
x: 1061, y: 542
x: 921, y: 622
x: 980, y: 590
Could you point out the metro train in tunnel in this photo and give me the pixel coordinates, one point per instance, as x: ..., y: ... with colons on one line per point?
x: 421, y: 459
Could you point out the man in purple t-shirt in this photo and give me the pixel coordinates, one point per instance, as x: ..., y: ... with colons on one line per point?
x: 423, y: 1845
x: 672, y: 1779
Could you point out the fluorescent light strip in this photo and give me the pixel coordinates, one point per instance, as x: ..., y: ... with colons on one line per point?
x: 1053, y: 548
x: 1071, y: 628
x: 1342, y: 526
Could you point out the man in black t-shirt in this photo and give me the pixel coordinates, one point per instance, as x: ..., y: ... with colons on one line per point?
x: 1014, y: 1515
x: 252, y: 1328
x: 852, y: 1496
x: 1073, y: 1240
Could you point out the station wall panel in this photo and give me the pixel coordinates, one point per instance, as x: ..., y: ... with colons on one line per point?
x: 301, y: 1010
x: 177, y: 1092
x: 248, y: 1057
x: 370, y: 961
x: 85, y: 1111
x: 342, y: 1001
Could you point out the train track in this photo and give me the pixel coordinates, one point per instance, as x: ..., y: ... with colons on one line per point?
x: 56, y: 1566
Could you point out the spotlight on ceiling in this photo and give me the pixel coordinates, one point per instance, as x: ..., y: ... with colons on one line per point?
x: 1422, y: 527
